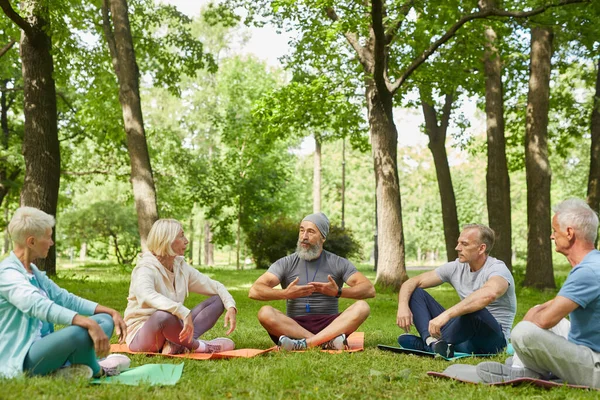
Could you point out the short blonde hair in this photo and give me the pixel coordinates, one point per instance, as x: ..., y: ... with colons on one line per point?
x: 162, y: 234
x: 29, y: 221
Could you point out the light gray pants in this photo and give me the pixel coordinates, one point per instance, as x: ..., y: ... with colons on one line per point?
x: 544, y: 351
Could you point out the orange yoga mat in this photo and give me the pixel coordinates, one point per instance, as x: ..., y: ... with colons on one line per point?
x: 356, y: 342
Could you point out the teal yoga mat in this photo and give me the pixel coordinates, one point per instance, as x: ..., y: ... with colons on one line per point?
x: 457, y: 355
x: 149, y: 374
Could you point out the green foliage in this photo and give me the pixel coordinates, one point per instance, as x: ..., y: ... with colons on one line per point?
x: 342, y: 242
x: 269, y: 241
x: 100, y: 222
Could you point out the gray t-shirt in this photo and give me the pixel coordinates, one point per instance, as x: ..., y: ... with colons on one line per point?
x: 465, y: 282
x: 288, y: 268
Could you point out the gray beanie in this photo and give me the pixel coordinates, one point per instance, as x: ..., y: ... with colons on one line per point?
x: 321, y: 221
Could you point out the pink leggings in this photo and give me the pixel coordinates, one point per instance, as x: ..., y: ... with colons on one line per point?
x: 163, y: 326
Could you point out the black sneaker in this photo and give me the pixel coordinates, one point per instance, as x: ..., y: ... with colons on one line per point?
x: 443, y: 348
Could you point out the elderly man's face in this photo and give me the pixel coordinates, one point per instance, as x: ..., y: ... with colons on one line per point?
x: 310, y: 241
x: 469, y: 246
x: 561, y: 241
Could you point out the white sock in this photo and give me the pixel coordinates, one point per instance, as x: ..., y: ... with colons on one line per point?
x: 430, y: 340
x: 201, y: 347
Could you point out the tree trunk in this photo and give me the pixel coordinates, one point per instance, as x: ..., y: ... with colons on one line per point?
x: 343, y: 183
x: 238, y: 235
x: 7, y: 176
x: 497, y: 178
x: 537, y: 168
x: 437, y: 145
x: 209, y: 259
x: 120, y: 44
x: 191, y: 240
x: 391, y: 270
x: 41, y: 149
x: 317, y: 176
x: 593, y: 194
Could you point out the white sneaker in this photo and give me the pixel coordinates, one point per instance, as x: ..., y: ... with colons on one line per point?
x: 114, y: 364
x: 73, y: 372
x: 215, y: 346
x: 337, y: 343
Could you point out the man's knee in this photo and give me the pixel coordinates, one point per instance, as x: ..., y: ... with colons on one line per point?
x: 266, y: 315
x: 362, y: 308
x: 523, y: 334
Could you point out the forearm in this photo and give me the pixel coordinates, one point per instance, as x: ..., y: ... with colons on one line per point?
x: 265, y: 293
x: 406, y: 291
x: 361, y: 291
x: 100, y: 309
x: 476, y: 301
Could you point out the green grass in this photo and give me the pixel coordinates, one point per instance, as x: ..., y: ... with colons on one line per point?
x: 309, y: 375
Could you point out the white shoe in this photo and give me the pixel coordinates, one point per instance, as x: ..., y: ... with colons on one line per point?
x: 114, y: 364
x: 215, y: 346
x: 73, y: 372
x: 337, y: 343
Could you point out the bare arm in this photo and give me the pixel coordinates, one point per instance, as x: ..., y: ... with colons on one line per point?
x: 551, y: 312
x: 495, y: 287
x: 263, y: 289
x: 99, y: 338
x: 404, y: 317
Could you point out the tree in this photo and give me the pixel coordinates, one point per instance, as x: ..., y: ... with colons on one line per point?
x: 539, y: 271
x: 593, y: 195
x: 497, y: 178
x: 388, y: 46
x: 437, y: 144
x: 40, y: 142
x: 118, y: 36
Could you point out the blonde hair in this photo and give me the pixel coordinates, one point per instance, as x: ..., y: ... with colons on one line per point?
x: 29, y: 221
x: 162, y: 234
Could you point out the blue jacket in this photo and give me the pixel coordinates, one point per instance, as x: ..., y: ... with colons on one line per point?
x: 22, y: 307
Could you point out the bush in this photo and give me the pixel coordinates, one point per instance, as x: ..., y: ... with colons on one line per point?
x: 342, y: 242
x: 270, y: 241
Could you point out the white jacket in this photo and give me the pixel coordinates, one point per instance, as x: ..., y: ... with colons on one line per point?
x: 151, y: 290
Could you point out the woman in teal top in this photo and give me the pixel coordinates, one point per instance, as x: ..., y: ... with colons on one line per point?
x: 30, y: 303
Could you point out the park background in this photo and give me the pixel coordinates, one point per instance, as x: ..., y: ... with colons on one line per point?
x: 115, y: 114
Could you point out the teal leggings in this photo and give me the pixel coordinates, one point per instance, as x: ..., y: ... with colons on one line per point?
x: 72, y: 344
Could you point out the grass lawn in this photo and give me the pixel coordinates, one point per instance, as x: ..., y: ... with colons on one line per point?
x: 309, y: 375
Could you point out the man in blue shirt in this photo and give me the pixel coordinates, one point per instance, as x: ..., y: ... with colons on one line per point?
x: 575, y: 359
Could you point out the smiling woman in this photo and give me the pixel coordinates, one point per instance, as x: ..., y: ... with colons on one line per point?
x: 156, y: 318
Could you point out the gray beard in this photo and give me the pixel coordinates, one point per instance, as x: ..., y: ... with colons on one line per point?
x: 312, y: 253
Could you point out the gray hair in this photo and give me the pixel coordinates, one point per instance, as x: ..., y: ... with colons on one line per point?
x: 487, y: 235
x: 577, y: 214
x: 29, y: 221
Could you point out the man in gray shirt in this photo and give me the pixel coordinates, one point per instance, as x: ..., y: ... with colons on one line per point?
x: 480, y: 323
x: 311, y: 283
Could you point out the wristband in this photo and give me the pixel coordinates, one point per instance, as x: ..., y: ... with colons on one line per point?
x: 339, y: 293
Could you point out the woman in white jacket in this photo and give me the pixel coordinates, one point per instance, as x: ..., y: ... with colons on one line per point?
x: 157, y: 320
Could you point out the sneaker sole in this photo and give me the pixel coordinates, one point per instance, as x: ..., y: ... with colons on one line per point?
x: 492, y: 372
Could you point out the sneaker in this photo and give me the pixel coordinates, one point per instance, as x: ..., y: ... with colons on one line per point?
x: 337, y: 343
x: 443, y: 348
x: 289, y: 344
x: 114, y: 364
x: 413, y: 342
x: 73, y: 372
x: 171, y: 348
x: 495, y: 372
x: 216, y: 345
x: 509, y: 361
